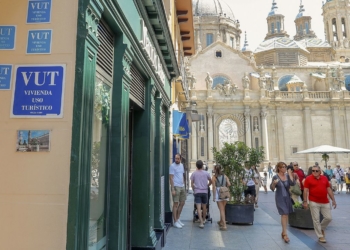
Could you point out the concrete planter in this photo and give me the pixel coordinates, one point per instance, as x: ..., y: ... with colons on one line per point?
x: 301, y: 218
x: 239, y: 213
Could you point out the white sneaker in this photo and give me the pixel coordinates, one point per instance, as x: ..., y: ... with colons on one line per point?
x: 179, y: 221
x: 204, y: 222
x: 177, y: 225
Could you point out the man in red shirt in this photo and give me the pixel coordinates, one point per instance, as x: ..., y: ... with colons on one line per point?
x: 316, y: 188
x: 301, y: 176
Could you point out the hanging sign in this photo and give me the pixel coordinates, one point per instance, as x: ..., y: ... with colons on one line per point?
x: 5, y: 76
x: 39, y: 11
x: 39, y: 42
x: 7, y: 37
x: 38, y: 91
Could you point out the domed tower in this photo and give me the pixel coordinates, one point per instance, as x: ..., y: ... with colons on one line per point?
x: 275, y: 23
x: 337, y: 26
x: 303, y: 24
x: 214, y: 21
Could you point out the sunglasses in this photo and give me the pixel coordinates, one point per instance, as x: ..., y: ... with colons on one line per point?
x: 295, y: 165
x: 316, y: 171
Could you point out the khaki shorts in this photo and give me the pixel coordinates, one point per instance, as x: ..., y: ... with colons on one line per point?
x: 180, y: 194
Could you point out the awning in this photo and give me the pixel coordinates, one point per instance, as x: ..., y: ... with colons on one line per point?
x: 180, y: 125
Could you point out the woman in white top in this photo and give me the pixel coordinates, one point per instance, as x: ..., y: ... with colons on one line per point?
x: 218, y: 180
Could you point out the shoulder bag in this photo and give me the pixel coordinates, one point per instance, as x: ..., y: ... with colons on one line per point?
x: 223, y: 191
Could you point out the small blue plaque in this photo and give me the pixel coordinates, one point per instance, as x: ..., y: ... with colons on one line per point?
x: 39, y: 42
x: 7, y: 37
x: 39, y: 11
x: 5, y: 76
x: 38, y: 91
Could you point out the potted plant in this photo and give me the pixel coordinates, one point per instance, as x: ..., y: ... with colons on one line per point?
x: 233, y: 158
x: 301, y: 217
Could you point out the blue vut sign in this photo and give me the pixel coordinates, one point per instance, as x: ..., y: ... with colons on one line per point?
x: 39, y: 42
x: 39, y: 11
x: 38, y: 91
x: 5, y: 76
x: 7, y: 37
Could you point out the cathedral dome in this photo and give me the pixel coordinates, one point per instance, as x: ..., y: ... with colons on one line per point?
x: 212, y: 8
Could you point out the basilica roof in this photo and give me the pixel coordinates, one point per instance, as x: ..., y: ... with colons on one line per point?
x: 314, y: 43
x: 212, y: 8
x: 279, y: 42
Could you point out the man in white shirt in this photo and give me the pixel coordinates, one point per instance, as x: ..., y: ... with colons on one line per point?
x: 178, y: 191
x: 339, y: 176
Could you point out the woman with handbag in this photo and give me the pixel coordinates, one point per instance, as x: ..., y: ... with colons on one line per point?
x: 257, y: 181
x: 219, y: 182
x: 282, y: 182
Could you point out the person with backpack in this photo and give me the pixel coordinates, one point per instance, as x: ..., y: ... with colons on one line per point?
x: 347, y: 181
x: 220, y: 180
x: 339, y: 175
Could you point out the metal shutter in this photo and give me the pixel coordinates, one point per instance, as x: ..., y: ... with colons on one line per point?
x: 138, y: 87
x: 106, y: 49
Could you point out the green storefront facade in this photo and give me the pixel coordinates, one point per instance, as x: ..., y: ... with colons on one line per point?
x: 125, y: 62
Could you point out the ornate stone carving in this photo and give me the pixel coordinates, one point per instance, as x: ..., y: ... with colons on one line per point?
x: 228, y: 132
x: 209, y: 81
x: 227, y: 88
x: 263, y: 114
x: 245, y: 81
x: 256, y: 124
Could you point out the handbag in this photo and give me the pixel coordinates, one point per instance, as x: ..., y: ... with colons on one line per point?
x: 295, y: 190
x: 223, y: 191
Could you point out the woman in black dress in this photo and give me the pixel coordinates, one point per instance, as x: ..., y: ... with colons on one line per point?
x: 282, y: 182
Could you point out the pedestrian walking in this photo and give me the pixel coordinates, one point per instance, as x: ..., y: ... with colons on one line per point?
x: 329, y: 171
x: 317, y: 190
x: 334, y: 184
x: 282, y: 182
x: 220, y: 180
x: 339, y: 175
x: 347, y: 181
x: 264, y: 181
x: 178, y: 191
x: 269, y: 169
x: 301, y: 177
x: 250, y: 183
x: 257, y: 181
x: 200, y: 182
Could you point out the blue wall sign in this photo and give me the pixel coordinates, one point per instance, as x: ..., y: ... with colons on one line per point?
x: 39, y: 42
x: 5, y: 76
x: 38, y: 91
x: 39, y: 11
x: 7, y: 37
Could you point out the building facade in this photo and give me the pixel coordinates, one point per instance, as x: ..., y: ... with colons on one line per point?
x: 98, y: 76
x: 287, y: 95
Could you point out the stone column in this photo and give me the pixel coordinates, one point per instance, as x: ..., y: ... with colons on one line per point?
x: 248, y: 135
x: 265, y: 139
x: 210, y: 134
x: 336, y: 129
x: 280, y: 146
x: 308, y: 136
x: 194, y: 145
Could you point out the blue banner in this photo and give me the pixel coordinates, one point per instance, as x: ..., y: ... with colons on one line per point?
x: 38, y: 91
x: 180, y: 125
x: 5, y: 76
x: 39, y: 11
x: 7, y: 37
x: 39, y: 42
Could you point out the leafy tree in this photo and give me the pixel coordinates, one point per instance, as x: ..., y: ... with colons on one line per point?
x: 233, y: 158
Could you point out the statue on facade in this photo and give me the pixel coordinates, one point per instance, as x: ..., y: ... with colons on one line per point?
x: 262, y: 82
x: 209, y: 81
x: 192, y: 82
x: 256, y: 124
x: 245, y: 81
x: 227, y: 88
x: 346, y: 43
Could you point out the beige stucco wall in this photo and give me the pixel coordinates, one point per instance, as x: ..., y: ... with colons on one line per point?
x: 34, y: 186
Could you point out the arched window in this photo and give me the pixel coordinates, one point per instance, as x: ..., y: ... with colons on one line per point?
x: 347, y: 82
x: 219, y: 80
x: 278, y: 27
x: 228, y: 132
x: 343, y: 27
x: 307, y: 28
x: 334, y: 28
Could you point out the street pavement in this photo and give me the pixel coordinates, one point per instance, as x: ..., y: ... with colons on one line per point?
x: 265, y: 233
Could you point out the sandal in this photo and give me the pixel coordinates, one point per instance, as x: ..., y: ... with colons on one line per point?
x: 223, y: 228
x: 219, y: 223
x: 285, y: 238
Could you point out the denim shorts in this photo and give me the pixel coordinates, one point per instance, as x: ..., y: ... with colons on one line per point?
x: 201, y: 198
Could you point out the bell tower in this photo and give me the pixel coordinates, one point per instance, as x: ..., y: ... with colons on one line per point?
x: 337, y: 26
x: 303, y: 24
x: 275, y: 23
